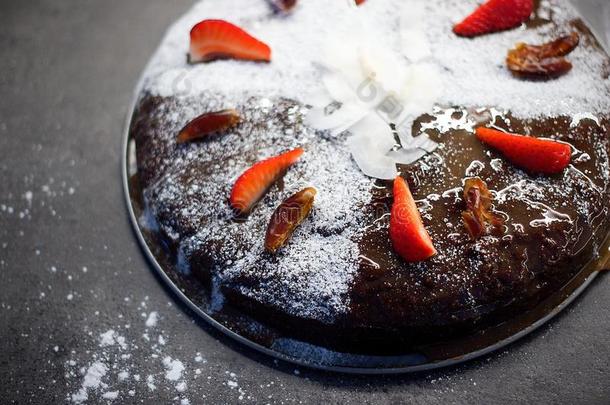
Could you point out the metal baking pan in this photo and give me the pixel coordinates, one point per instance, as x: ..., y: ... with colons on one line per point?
x: 272, y: 342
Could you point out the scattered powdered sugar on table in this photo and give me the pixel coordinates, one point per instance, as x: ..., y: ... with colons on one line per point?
x: 110, y: 373
x: 152, y: 319
x: 91, y: 381
x: 111, y: 337
x: 125, y: 361
x: 39, y: 198
x: 111, y: 395
x: 173, y: 368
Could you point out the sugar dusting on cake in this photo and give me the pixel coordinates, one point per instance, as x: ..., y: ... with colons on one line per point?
x: 406, y: 55
x: 303, y: 279
x: 472, y: 70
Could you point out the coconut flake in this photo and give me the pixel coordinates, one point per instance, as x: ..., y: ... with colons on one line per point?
x: 374, y: 85
x: 370, y: 145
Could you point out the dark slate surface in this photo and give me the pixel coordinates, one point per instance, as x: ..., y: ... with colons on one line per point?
x: 72, y: 273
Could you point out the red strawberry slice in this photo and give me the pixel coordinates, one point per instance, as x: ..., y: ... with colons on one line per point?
x: 218, y: 39
x: 252, y: 185
x: 409, y: 237
x: 495, y: 15
x: 533, y: 154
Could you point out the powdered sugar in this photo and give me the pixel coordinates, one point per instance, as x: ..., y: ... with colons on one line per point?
x: 152, y: 319
x: 305, y: 282
x: 91, y: 381
x: 110, y: 395
x: 472, y: 70
x: 173, y: 368
x: 108, y: 369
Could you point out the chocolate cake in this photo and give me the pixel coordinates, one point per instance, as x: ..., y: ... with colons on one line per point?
x: 339, y: 281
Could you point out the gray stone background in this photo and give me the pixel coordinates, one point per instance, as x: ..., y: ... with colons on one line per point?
x: 81, y: 313
x: 597, y: 14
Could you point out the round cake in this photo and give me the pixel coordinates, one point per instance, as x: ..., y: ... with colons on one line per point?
x: 370, y: 94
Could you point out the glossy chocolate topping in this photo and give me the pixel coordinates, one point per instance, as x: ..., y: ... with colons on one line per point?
x: 553, y: 226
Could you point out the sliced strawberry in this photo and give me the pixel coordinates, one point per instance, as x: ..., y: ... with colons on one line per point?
x: 409, y: 237
x: 495, y: 15
x: 208, y: 123
x: 532, y: 154
x: 359, y: 2
x: 218, y: 39
x: 252, y: 185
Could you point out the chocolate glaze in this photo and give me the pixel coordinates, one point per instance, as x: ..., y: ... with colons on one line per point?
x: 547, y: 238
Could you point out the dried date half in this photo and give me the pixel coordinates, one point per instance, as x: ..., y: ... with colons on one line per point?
x: 290, y: 214
x: 283, y: 5
x: 207, y: 124
x: 478, y: 218
x: 545, y: 61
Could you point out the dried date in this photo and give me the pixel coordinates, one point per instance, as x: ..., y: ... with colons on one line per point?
x: 545, y: 61
x: 290, y: 214
x: 478, y: 217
